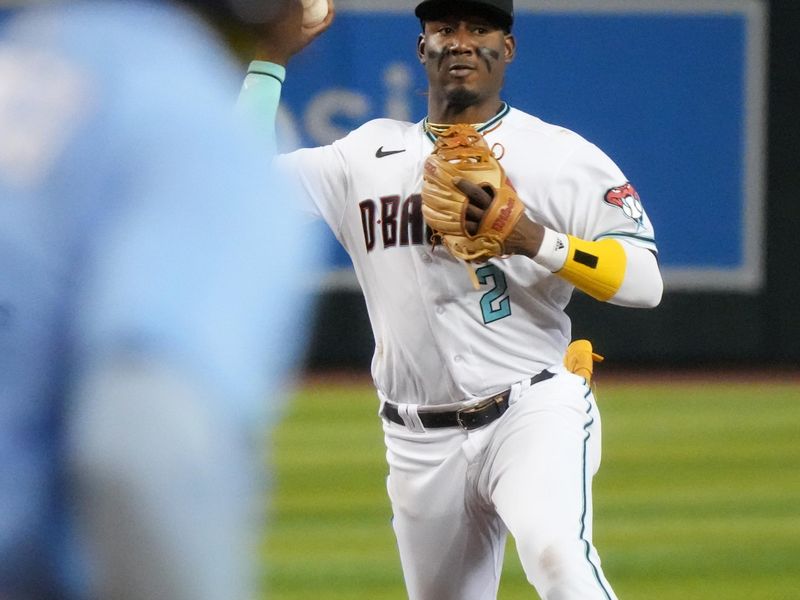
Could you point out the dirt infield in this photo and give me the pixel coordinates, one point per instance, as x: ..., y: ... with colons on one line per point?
x: 743, y: 375
x: 612, y: 375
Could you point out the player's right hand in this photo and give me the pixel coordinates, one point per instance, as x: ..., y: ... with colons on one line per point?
x: 285, y: 35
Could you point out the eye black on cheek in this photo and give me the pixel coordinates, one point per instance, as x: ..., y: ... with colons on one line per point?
x: 432, y: 53
x: 489, y: 53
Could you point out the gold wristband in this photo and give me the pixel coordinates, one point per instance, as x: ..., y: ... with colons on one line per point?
x: 596, y: 268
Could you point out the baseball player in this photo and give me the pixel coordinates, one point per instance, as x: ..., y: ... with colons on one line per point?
x: 486, y: 431
x: 144, y: 316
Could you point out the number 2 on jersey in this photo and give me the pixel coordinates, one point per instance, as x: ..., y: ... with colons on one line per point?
x: 495, y: 304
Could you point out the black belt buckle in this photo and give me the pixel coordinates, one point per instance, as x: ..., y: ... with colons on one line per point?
x: 483, y: 411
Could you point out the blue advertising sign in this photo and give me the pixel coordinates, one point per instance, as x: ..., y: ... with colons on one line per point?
x: 672, y: 90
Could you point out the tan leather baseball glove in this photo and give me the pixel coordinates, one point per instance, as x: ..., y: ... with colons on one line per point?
x: 461, y: 152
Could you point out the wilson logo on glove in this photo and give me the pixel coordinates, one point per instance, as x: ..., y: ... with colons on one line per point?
x: 505, y: 214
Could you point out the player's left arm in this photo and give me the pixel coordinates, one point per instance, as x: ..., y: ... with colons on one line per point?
x: 608, y: 269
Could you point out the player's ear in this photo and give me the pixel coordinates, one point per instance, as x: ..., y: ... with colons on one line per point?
x: 510, y: 44
x: 421, y: 48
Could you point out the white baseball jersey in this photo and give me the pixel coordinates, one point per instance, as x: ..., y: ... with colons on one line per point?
x: 438, y: 340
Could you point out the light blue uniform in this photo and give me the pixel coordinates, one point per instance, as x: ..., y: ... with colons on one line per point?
x: 136, y: 219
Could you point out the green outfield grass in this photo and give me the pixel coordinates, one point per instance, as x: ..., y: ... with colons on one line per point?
x: 698, y: 497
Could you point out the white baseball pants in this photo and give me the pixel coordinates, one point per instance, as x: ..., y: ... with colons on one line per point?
x: 455, y: 495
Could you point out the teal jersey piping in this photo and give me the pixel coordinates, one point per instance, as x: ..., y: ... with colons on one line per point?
x: 628, y: 236
x: 504, y: 110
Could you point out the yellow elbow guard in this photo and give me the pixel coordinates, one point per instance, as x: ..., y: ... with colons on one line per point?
x: 596, y: 268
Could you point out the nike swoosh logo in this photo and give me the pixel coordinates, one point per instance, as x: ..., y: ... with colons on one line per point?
x: 380, y: 153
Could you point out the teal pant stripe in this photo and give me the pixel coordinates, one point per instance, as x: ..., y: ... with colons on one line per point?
x: 586, y: 543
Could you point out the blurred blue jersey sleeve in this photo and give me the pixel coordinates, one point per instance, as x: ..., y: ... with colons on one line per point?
x: 139, y: 222
x: 202, y: 256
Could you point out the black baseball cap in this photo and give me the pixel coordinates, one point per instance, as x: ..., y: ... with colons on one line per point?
x: 500, y: 11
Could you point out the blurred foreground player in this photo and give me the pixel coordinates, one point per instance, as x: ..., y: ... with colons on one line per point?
x: 144, y: 314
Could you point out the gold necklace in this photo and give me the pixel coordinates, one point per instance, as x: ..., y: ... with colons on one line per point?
x: 440, y: 128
